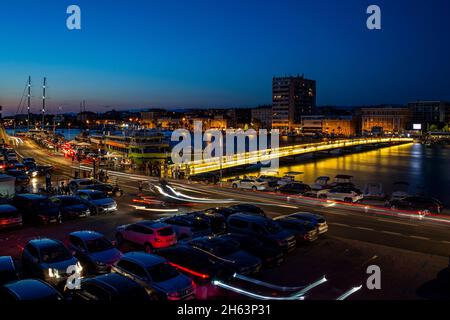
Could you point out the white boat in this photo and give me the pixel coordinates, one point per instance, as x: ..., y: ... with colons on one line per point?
x: 321, y: 183
x: 401, y: 190
x: 290, y: 177
x: 374, y: 191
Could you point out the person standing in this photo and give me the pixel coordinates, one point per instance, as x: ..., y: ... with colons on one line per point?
x: 140, y: 186
x: 48, y: 181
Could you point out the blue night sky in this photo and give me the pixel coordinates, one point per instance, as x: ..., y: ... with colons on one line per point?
x: 206, y: 53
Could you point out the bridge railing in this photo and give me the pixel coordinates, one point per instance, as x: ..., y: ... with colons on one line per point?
x: 253, y: 157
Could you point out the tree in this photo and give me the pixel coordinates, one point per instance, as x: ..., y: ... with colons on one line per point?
x: 433, y: 128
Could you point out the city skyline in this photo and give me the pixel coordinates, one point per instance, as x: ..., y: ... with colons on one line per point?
x: 221, y: 55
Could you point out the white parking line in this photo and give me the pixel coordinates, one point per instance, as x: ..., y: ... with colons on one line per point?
x: 392, y: 233
x: 363, y: 228
x: 420, y: 238
x: 396, y: 222
x: 339, y: 224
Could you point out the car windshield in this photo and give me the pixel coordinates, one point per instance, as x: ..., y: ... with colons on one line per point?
x: 98, y: 195
x: 162, y: 272
x: 168, y: 231
x: 55, y: 253
x: 99, y: 245
x: 70, y: 201
x: 226, y: 248
x: 46, y: 204
x: 272, y: 227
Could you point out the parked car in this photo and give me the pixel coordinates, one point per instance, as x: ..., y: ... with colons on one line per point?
x: 71, y: 207
x: 200, y: 266
x: 155, y: 273
x: 8, y: 271
x: 110, y: 287
x: 317, y: 220
x: 251, y: 184
x: 97, y: 201
x: 248, y: 209
x: 296, y: 188
x: 110, y: 190
x: 341, y: 193
x: 48, y: 259
x: 19, y: 167
x: 229, y: 252
x: 271, y: 181
x: 29, y: 290
x: 304, y: 231
x: 374, y: 191
x: 29, y: 166
x: 36, y: 208
x: 216, y: 221
x: 95, y: 253
x: 40, y: 171
x: 28, y: 159
x: 149, y: 234
x: 9, y: 216
x: 186, y: 226
x: 76, y: 184
x: 417, y: 203
x: 205, y: 177
x: 223, y: 211
x: 270, y: 255
x: 22, y: 179
x: 265, y: 229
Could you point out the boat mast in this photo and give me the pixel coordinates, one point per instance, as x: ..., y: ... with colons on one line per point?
x: 43, y: 103
x: 29, y: 102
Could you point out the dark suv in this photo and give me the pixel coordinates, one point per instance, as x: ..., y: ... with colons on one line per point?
x: 37, y: 209
x: 265, y: 229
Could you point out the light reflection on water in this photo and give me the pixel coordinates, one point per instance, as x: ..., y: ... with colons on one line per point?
x: 426, y: 169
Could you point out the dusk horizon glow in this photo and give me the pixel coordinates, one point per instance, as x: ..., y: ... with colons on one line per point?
x: 134, y: 54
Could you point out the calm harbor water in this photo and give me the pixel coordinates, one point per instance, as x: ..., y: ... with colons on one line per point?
x: 426, y: 169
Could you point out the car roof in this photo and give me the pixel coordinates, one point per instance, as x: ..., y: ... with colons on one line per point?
x: 87, y: 235
x: 89, y: 191
x: 7, y: 208
x: 114, y: 282
x: 44, y: 242
x: 64, y: 197
x: 143, y: 259
x: 31, y: 289
x: 7, y: 264
x: 249, y: 217
x: 31, y: 196
x: 153, y: 224
x: 80, y: 180
x: 305, y: 214
x: 210, y: 240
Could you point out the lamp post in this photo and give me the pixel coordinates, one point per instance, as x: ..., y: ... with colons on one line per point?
x: 220, y: 159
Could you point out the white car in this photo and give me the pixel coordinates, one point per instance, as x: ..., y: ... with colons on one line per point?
x: 251, y: 184
x: 341, y: 193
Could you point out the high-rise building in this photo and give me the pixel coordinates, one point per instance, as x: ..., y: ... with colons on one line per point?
x: 292, y: 98
x: 427, y: 113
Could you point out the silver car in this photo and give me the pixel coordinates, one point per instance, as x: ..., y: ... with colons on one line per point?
x: 97, y: 201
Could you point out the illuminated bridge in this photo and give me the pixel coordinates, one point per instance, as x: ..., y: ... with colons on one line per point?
x: 254, y: 157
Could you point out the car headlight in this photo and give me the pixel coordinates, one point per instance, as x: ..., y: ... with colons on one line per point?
x: 53, y: 273
x: 79, y: 267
